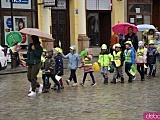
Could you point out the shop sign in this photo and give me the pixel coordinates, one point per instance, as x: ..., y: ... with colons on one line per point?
x: 18, y: 4
x: 50, y: 3
x: 19, y: 22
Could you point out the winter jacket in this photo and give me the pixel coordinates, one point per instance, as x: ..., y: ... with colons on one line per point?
x: 129, y: 56
x: 133, y: 38
x: 141, y: 56
x: 58, y: 65
x: 87, y: 62
x: 74, y: 60
x: 50, y: 65
x: 104, y: 59
x: 151, y: 55
x: 34, y: 56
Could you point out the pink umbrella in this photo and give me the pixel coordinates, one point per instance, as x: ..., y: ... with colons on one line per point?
x: 37, y: 32
x: 122, y: 28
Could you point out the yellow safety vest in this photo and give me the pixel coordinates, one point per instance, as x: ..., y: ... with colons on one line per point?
x: 140, y: 53
x: 117, y: 56
x: 128, y: 56
x: 87, y: 62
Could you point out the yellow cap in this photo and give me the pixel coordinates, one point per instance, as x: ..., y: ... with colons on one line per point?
x: 151, y: 42
x: 104, y: 46
x: 117, y: 45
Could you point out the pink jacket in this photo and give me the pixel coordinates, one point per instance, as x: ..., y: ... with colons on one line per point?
x: 88, y: 58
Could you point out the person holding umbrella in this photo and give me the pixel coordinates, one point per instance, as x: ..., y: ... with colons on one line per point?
x: 34, y: 63
x: 131, y: 36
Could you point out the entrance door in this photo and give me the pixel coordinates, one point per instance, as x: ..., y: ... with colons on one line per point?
x: 60, y: 29
x: 99, y: 28
x: 156, y: 13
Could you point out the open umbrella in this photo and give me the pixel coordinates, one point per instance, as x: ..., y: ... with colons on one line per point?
x: 37, y: 32
x: 144, y: 27
x: 122, y: 28
x: 13, y: 37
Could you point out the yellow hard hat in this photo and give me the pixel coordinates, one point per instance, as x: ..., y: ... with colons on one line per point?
x: 128, y: 42
x: 104, y: 46
x: 58, y: 49
x: 117, y: 45
x: 151, y: 42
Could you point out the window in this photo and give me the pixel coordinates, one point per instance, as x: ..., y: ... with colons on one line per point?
x: 98, y: 4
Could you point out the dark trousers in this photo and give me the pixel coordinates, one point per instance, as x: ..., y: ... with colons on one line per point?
x: 127, y: 69
x: 32, y: 75
x: 73, y: 76
x: 85, y: 75
x: 47, y: 83
x: 140, y: 69
x: 151, y: 71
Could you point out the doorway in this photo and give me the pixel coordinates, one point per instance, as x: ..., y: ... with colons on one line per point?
x: 99, y: 28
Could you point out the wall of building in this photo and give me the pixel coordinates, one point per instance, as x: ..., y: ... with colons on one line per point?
x: 118, y: 14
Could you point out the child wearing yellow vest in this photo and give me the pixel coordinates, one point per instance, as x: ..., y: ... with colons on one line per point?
x: 118, y: 59
x: 141, y: 57
x: 105, y: 59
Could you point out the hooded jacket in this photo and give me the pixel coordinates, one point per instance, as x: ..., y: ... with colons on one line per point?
x: 73, y: 58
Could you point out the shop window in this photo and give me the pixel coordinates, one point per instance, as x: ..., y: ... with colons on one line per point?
x: 139, y: 19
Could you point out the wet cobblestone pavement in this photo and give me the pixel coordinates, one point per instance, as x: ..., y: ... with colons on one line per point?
x: 101, y: 102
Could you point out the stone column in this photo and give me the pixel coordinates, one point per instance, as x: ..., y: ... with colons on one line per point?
x: 48, y: 44
x: 83, y: 40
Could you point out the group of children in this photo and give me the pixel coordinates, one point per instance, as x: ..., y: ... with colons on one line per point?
x: 52, y: 64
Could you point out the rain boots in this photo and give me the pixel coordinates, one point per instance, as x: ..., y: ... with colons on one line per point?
x: 105, y: 81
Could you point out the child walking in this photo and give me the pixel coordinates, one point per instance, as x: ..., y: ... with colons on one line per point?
x: 88, y: 67
x: 105, y: 59
x: 151, y: 58
x: 50, y: 72
x: 118, y: 59
x: 129, y: 60
x: 72, y: 64
x: 141, y: 57
x: 58, y: 65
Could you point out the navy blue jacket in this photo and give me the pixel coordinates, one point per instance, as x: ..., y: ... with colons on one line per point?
x: 59, y: 65
x: 151, y: 55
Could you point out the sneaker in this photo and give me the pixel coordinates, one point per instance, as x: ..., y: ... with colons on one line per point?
x: 142, y: 79
x: 54, y: 87
x: 93, y: 84
x: 113, y: 81
x: 32, y: 94
x: 67, y: 81
x: 30, y: 89
x: 75, y: 84
x: 40, y: 88
x: 81, y: 84
x: 45, y: 91
x: 134, y: 78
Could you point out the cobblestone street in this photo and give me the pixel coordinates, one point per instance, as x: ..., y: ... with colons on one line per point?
x: 101, y: 102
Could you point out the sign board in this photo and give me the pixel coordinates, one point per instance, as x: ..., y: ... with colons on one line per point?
x: 50, y: 3
x: 18, y: 4
x: 19, y: 22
